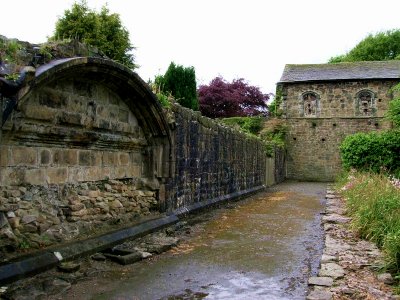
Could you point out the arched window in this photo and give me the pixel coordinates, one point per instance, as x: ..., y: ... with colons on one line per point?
x: 365, y: 103
x: 310, y: 103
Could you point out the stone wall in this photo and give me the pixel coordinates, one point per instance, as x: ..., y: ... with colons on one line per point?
x: 313, y: 141
x: 35, y: 216
x: 211, y: 160
x: 90, y: 149
x: 77, y: 156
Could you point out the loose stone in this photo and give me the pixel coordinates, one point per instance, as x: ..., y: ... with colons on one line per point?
x: 331, y: 270
x: 321, y: 281
x: 319, y: 295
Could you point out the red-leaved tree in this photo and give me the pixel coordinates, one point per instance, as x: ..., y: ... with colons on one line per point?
x: 222, y: 99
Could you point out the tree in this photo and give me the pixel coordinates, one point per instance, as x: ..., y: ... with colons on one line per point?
x: 381, y: 46
x: 181, y: 83
x: 103, y: 30
x: 222, y: 99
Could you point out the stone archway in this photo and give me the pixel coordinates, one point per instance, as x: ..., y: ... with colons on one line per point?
x: 92, y: 104
x: 88, y: 143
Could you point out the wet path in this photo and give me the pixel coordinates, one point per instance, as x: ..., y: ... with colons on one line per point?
x: 262, y: 248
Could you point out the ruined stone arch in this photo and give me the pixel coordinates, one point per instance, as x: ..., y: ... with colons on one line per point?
x: 96, y: 114
x: 309, y: 104
x: 365, y: 103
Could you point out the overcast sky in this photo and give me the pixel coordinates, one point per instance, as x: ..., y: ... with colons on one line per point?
x: 251, y: 39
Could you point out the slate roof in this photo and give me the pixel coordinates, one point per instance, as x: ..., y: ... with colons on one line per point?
x: 342, y: 71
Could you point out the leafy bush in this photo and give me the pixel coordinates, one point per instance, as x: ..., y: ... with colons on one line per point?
x: 372, y: 151
x: 274, y: 107
x: 9, y: 50
x: 165, y: 99
x: 252, y: 125
x: 373, y: 202
x: 274, y: 135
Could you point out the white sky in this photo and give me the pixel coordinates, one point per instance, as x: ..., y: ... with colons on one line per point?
x: 251, y: 39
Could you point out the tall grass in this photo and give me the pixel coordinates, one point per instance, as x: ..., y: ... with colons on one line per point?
x: 373, y: 202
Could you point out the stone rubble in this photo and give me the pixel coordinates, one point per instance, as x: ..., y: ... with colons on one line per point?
x: 33, y: 217
x: 346, y: 270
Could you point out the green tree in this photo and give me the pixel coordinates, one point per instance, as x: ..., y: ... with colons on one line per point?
x: 103, y: 30
x: 181, y: 83
x: 380, y: 46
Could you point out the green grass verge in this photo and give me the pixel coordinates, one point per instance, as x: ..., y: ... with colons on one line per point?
x: 373, y: 202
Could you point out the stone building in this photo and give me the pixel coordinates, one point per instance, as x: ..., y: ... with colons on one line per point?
x: 323, y: 103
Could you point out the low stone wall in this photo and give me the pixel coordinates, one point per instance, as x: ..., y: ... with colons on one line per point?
x: 211, y: 160
x: 33, y: 216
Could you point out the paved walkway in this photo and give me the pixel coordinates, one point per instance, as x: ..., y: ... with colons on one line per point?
x: 264, y: 247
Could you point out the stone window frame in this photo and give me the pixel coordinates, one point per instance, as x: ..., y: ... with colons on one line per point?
x: 302, y: 108
x: 371, y: 106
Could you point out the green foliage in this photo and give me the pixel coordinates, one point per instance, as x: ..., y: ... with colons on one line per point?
x: 273, y: 108
x: 372, y: 151
x: 272, y: 131
x: 381, y: 46
x: 181, y: 83
x: 9, y: 51
x: 251, y: 125
x: 165, y: 99
x: 102, y: 30
x: 373, y: 202
x: 393, y: 113
x: 274, y: 135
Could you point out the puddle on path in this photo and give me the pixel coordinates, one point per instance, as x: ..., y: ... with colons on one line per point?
x: 264, y: 247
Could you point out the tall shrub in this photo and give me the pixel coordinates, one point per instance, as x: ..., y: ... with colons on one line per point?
x: 181, y: 83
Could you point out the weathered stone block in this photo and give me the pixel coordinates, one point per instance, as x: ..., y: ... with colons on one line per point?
x: 94, y: 174
x: 123, y: 159
x: 57, y: 175
x: 94, y: 194
x: 45, y: 156
x: 75, y: 175
x: 79, y: 213
x: 52, y: 98
x: 40, y: 112
x: 35, y: 176
x: 24, y: 156
x: 77, y: 206
x: 136, y: 158
x: 85, y: 158
x: 110, y: 158
x: 70, y: 118
x: 97, y: 158
x: 120, y: 172
x: 4, y: 159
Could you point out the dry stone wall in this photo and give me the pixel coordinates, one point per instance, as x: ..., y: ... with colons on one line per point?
x: 211, y: 160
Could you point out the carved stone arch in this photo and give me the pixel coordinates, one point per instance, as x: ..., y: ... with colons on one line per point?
x: 309, y: 104
x: 365, y: 103
x: 69, y: 112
